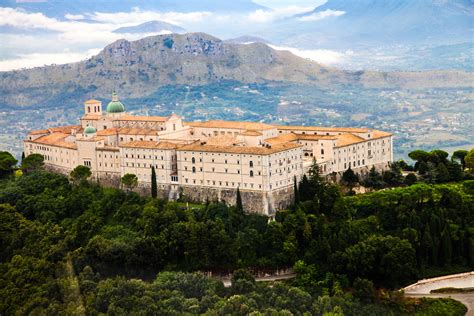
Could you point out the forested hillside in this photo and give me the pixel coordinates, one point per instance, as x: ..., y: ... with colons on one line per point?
x: 75, y: 247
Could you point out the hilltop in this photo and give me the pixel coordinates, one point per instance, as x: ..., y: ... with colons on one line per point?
x: 139, y: 68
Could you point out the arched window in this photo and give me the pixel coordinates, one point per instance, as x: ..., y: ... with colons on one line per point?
x: 251, y: 163
x: 193, y: 160
x: 194, y: 169
x: 251, y: 173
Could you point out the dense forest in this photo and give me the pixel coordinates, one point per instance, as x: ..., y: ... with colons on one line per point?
x: 70, y: 246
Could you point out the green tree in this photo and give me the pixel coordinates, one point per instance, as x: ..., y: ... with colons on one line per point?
x: 364, y: 290
x: 469, y: 161
x: 242, y: 282
x: 410, y: 179
x: 130, y: 181
x: 154, y: 188
x: 7, y: 162
x: 419, y: 155
x: 373, y: 179
x: 350, y: 178
x: 460, y: 155
x: 80, y: 174
x: 32, y: 162
x: 442, y: 173
x: 238, y: 204
x: 306, y: 190
x: 296, y: 192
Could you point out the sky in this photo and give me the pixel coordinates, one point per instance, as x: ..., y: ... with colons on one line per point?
x: 32, y: 39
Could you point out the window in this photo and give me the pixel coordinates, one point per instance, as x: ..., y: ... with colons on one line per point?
x: 251, y: 173
x: 193, y: 160
x: 194, y: 169
x: 251, y: 164
x: 322, y: 151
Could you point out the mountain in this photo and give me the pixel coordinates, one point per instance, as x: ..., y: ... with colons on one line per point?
x: 387, y: 22
x: 151, y: 27
x: 138, y: 68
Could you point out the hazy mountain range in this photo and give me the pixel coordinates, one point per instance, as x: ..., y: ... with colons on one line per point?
x: 151, y: 27
x: 139, y: 68
x: 362, y: 34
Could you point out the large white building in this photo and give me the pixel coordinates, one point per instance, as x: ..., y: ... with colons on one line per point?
x: 207, y: 160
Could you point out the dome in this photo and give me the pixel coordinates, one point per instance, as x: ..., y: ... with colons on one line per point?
x: 115, y: 106
x: 90, y: 130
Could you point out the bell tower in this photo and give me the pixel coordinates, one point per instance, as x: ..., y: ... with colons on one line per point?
x: 93, y: 107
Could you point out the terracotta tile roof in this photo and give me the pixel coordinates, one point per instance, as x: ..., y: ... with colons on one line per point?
x: 136, y: 131
x: 39, y: 132
x: 322, y: 129
x: 54, y: 139
x: 291, y: 137
x: 203, y: 147
x: 107, y: 132
x: 348, y: 139
x: 128, y: 117
x: 255, y: 126
x: 251, y: 133
x: 380, y: 134
x: 149, y: 144
x: 284, y: 138
x: 92, y: 101
x: 222, y: 140
x: 65, y: 129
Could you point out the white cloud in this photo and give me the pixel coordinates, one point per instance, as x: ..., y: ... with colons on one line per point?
x: 40, y: 59
x: 265, y: 16
x: 322, y: 56
x: 136, y: 16
x: 74, y: 16
x: 321, y: 15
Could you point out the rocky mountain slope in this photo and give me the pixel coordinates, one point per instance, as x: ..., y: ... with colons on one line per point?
x: 139, y: 68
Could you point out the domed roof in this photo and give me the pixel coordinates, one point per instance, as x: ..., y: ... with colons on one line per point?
x: 90, y: 130
x: 115, y: 106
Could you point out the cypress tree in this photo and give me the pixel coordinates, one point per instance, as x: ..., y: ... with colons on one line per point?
x: 238, y: 204
x: 446, y: 247
x: 154, y: 188
x: 427, y: 245
x: 295, y: 191
x: 22, y: 156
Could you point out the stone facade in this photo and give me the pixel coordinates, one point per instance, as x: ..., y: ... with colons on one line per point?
x: 206, y: 160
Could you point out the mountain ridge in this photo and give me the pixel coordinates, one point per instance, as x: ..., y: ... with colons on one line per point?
x: 150, y: 27
x: 138, y: 68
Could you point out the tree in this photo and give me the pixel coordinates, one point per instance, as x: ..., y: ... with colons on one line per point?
x: 154, y: 188
x: 238, y: 204
x: 7, y: 162
x: 460, y: 155
x: 296, y: 192
x: 442, y: 173
x: 419, y: 155
x: 242, y: 282
x: 469, y: 161
x: 130, y: 181
x: 32, y: 162
x: 80, y: 174
x: 305, y: 189
x: 373, y: 179
x: 410, y: 179
x: 350, y: 178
